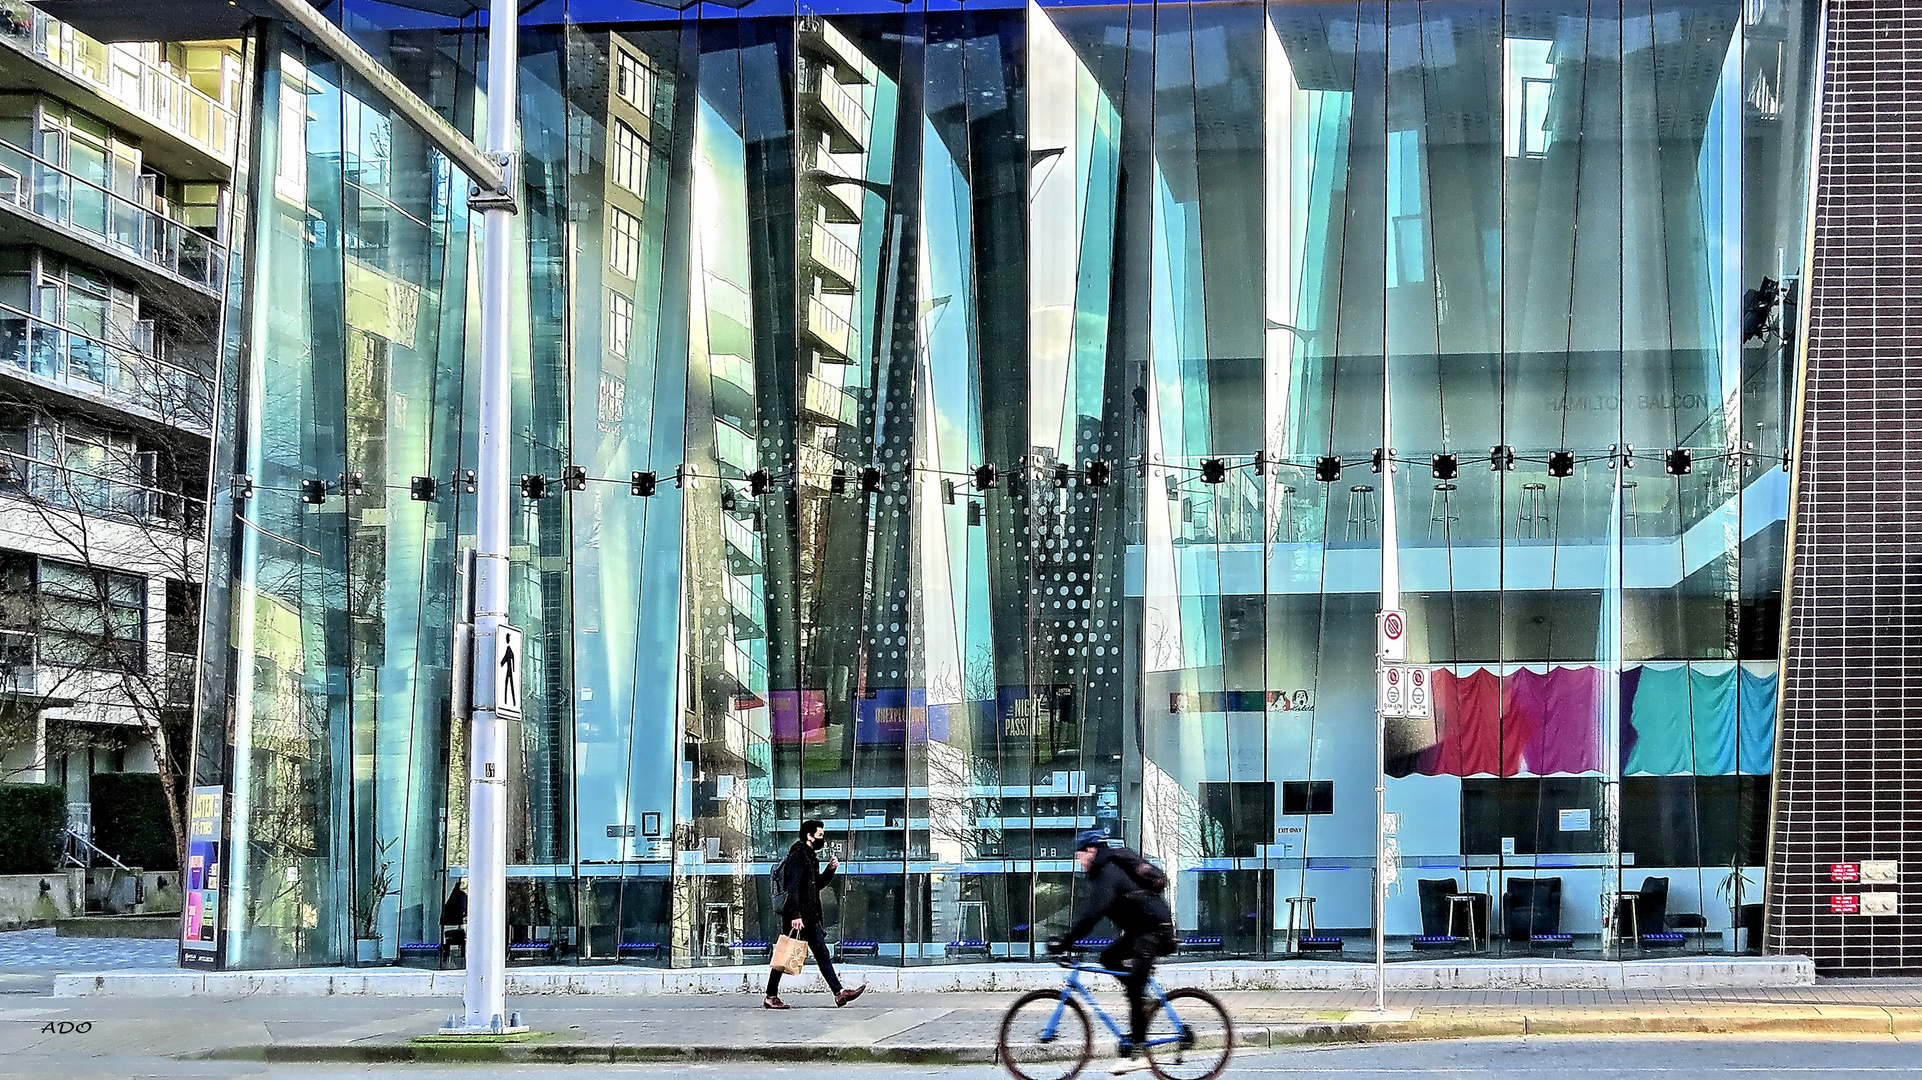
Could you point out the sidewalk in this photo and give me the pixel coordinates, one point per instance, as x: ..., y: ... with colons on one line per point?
x: 895, y: 1027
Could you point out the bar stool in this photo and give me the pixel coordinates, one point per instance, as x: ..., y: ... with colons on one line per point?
x: 1301, y: 917
x: 1464, y: 903
x: 1531, y: 521
x: 1630, y: 519
x: 1361, y: 512
x: 1438, y: 510
x: 1287, y: 523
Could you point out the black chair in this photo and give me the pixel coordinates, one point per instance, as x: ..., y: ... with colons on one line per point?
x: 1654, y: 906
x: 1532, y: 907
x: 1433, y: 894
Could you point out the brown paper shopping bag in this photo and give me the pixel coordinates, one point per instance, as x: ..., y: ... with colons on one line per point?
x: 789, y: 953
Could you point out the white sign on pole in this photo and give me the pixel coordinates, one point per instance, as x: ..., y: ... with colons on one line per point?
x: 1421, y: 702
x: 1391, y: 690
x: 1391, y: 635
x: 509, y: 671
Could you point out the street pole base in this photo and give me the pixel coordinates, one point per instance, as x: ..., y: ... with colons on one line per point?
x: 458, y: 1028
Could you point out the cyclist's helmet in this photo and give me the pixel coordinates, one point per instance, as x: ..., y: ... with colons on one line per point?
x: 1090, y: 838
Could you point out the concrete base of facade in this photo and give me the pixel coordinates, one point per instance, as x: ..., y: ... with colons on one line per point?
x: 159, y: 927
x: 1716, y: 973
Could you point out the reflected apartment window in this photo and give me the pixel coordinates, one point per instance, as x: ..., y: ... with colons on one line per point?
x: 627, y: 159
x: 620, y: 323
x: 1529, y: 80
x: 633, y: 82
x: 1407, y: 246
x: 290, y: 173
x: 623, y: 241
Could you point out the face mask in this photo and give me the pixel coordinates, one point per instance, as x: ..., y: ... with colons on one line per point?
x: 818, y: 842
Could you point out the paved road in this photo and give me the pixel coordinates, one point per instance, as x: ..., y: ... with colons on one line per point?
x: 1615, y: 1058
x: 41, y: 949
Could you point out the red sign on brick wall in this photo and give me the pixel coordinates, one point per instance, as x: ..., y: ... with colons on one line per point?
x: 1845, y: 905
x: 1845, y: 871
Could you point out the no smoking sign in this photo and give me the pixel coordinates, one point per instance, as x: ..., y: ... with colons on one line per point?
x: 1391, y: 635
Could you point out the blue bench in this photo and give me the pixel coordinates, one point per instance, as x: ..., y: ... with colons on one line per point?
x: 532, y: 950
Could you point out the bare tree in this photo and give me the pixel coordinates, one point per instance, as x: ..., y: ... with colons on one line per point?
x: 105, y: 548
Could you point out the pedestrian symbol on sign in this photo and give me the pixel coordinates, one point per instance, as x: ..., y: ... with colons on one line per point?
x: 509, y: 667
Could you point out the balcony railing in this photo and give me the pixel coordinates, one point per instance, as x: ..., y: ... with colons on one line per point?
x: 826, y: 38
x: 839, y: 263
x: 831, y: 330
x: 825, y: 399
x: 740, y: 538
x: 733, y: 369
x: 124, y: 376
x: 847, y: 117
x: 47, y: 191
x: 53, y: 484
x: 121, y: 76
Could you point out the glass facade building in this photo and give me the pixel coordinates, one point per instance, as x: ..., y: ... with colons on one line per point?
x: 970, y: 417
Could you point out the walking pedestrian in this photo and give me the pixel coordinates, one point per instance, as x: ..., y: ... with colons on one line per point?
x: 800, y: 879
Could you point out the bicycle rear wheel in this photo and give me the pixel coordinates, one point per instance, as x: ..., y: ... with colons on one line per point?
x: 1045, y: 1036
x: 1191, y: 1038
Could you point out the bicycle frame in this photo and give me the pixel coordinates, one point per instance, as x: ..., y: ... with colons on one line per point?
x: 1074, y: 986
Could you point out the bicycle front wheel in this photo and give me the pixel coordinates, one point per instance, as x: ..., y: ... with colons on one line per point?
x: 1045, y: 1036
x: 1190, y: 1038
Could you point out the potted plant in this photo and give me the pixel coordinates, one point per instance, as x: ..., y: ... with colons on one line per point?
x: 1735, y: 938
x: 367, y: 903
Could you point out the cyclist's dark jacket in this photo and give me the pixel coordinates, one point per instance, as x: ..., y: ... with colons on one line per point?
x: 1114, y: 893
x: 803, y: 880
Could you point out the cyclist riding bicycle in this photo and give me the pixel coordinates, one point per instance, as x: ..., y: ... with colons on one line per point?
x: 1125, y: 889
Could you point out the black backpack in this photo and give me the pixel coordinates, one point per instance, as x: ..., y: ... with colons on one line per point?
x: 779, y: 873
x: 1145, y: 874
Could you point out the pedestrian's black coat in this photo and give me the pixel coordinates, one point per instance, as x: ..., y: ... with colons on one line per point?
x: 802, y: 880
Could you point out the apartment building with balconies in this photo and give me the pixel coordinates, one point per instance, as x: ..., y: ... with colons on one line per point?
x: 115, y: 163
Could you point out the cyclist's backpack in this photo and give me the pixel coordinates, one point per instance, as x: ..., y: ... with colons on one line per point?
x: 1146, y: 874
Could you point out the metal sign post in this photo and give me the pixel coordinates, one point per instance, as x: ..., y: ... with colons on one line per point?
x: 1391, y: 648
x: 497, y: 664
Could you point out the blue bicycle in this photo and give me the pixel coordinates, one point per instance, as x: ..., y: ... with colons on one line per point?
x: 1045, y: 1034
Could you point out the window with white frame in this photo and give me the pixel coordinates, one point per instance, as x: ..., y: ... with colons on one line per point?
x: 627, y: 159
x: 620, y: 323
x: 623, y: 241
x: 633, y: 81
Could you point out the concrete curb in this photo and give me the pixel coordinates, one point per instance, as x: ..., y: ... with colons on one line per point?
x: 1706, y: 973
x: 1869, y: 1021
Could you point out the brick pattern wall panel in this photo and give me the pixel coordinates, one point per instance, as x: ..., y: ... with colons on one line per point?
x: 1849, y: 772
